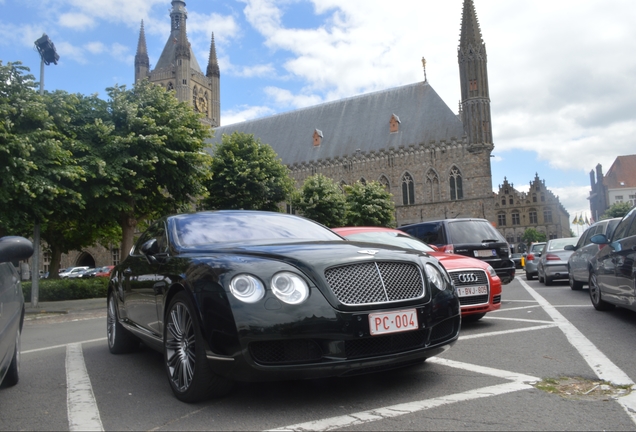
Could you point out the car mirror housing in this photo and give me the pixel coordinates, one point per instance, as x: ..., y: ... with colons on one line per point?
x: 600, y: 239
x: 14, y: 248
x: 569, y: 247
x: 151, y: 247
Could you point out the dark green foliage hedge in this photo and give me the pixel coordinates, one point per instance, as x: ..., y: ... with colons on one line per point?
x: 67, y: 289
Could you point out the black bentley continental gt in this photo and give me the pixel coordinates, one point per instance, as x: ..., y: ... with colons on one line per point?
x: 256, y: 296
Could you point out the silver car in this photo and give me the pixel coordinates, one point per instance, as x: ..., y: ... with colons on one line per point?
x: 532, y: 259
x: 553, y: 263
x: 579, y: 261
x: 12, y: 250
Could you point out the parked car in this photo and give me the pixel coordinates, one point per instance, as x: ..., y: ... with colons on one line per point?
x: 532, y: 259
x: 72, y: 272
x: 518, y: 259
x: 251, y: 295
x: 12, y: 250
x: 104, y: 271
x: 88, y: 273
x: 584, y: 250
x: 613, y: 267
x: 553, y: 264
x: 475, y: 238
x: 477, y: 283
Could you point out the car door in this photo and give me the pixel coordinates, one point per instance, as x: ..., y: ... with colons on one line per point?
x: 142, y: 283
x: 9, y: 313
x: 624, y: 253
x: 609, y: 257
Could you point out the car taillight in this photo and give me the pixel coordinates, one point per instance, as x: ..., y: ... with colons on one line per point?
x: 552, y: 257
x: 530, y: 257
x: 449, y: 249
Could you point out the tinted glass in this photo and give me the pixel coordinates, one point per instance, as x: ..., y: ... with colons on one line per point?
x: 559, y: 244
x: 623, y: 227
x: 432, y: 233
x: 215, y: 228
x: 156, y: 231
x: 463, y: 232
x: 632, y: 230
x: 611, y: 226
x: 391, y: 238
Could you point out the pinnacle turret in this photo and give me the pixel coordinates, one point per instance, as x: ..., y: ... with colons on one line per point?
x: 142, y: 62
x: 213, y: 64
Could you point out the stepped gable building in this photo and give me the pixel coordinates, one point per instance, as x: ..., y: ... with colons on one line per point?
x: 538, y: 208
x: 618, y: 185
x: 178, y: 69
x: 434, y: 162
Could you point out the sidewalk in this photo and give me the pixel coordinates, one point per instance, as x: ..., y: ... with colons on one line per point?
x: 66, y: 307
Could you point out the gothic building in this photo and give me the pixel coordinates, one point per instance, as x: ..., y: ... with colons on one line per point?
x: 538, y: 208
x: 435, y: 163
x: 178, y: 69
x: 618, y: 185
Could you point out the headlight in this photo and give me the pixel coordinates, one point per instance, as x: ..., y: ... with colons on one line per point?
x: 435, y: 277
x: 290, y: 288
x: 492, y: 271
x: 247, y: 288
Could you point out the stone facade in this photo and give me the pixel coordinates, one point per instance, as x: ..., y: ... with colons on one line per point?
x: 618, y: 185
x: 538, y: 208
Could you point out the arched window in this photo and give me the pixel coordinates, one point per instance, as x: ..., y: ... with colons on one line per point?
x: 195, y: 96
x: 432, y: 186
x: 408, y: 189
x: 170, y: 86
x: 385, y: 182
x: 363, y: 181
x: 456, y: 188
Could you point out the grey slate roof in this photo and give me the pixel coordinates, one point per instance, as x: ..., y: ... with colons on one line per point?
x: 360, y: 122
x: 166, y: 61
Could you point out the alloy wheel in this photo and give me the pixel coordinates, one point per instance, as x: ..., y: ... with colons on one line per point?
x: 111, y: 321
x: 180, y: 347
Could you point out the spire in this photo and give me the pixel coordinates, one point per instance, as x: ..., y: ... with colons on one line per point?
x: 179, y: 16
x: 470, y: 32
x: 142, y: 62
x: 213, y: 64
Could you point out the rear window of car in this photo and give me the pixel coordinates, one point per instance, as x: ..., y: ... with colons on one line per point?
x: 431, y: 233
x: 537, y: 247
x: 215, y: 228
x: 559, y: 244
x: 472, y: 231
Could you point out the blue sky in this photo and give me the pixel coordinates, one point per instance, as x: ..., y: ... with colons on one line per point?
x: 561, y: 71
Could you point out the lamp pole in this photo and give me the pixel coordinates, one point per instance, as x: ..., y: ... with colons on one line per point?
x: 48, y: 55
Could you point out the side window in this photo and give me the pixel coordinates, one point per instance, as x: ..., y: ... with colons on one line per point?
x: 585, y: 238
x: 156, y: 231
x: 632, y: 230
x: 622, y: 229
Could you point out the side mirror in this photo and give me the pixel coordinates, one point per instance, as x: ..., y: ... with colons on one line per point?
x: 569, y: 247
x: 151, y: 247
x: 599, y: 239
x: 14, y: 248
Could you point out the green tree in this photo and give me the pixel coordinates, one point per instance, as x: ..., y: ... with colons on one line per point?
x: 369, y: 205
x: 39, y: 173
x: 531, y: 235
x: 617, y: 210
x: 247, y: 174
x: 321, y: 199
x: 155, y: 153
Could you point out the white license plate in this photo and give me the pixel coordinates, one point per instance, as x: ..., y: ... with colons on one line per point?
x: 393, y: 322
x: 472, y: 291
x: 485, y: 253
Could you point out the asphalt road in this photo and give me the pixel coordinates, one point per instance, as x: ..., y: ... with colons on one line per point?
x: 486, y: 381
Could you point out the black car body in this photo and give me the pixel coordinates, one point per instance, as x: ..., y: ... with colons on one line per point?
x: 613, y: 268
x: 584, y: 250
x: 475, y: 238
x: 256, y: 296
x: 12, y: 250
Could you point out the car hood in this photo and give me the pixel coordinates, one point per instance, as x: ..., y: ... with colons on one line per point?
x: 455, y: 262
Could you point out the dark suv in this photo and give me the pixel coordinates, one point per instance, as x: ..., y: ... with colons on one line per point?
x: 475, y: 238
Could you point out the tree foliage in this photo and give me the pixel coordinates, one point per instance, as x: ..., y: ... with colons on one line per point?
x: 531, y: 235
x: 247, y: 174
x: 617, y: 210
x: 321, y: 199
x: 369, y: 205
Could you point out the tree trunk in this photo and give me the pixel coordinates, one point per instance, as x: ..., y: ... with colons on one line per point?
x: 128, y: 225
x: 56, y: 258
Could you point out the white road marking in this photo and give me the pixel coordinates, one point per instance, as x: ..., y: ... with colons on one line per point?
x: 514, y: 309
x: 519, y: 320
x: 604, y: 368
x: 518, y: 382
x: 83, y: 414
x: 61, y: 346
x: 503, y: 332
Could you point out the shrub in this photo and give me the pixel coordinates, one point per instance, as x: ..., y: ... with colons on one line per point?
x: 67, y: 289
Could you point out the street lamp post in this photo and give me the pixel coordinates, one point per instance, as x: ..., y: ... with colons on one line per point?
x: 48, y: 55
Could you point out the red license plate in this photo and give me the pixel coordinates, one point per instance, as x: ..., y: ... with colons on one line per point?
x: 392, y: 322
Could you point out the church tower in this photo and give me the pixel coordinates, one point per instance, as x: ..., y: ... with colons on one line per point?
x: 178, y: 70
x: 473, y: 76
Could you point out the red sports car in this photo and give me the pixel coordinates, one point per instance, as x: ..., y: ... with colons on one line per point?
x: 477, y: 283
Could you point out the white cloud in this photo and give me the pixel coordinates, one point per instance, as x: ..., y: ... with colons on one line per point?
x: 287, y: 98
x: 244, y: 113
x: 72, y: 52
x: 77, y: 21
x: 95, y: 47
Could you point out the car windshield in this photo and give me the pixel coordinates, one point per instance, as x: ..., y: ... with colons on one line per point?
x: 471, y: 231
x: 391, y: 238
x: 559, y: 244
x: 228, y: 227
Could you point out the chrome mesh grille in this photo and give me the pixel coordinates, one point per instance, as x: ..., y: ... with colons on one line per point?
x: 381, y: 282
x: 472, y: 278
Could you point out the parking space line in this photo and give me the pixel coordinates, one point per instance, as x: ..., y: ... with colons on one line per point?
x: 515, y: 309
x: 519, y: 320
x: 61, y: 346
x: 83, y: 414
x: 518, y: 382
x: 504, y: 332
x: 604, y: 368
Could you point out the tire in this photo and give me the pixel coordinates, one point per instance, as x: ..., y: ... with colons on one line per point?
x: 529, y: 276
x: 13, y: 373
x: 574, y: 285
x: 473, y: 317
x: 548, y: 281
x: 541, y: 279
x: 595, y: 295
x: 120, y: 340
x: 189, y: 373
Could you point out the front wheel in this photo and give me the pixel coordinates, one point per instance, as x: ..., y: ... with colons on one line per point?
x: 13, y: 373
x: 595, y: 295
x: 574, y: 285
x: 186, y: 364
x: 120, y: 340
